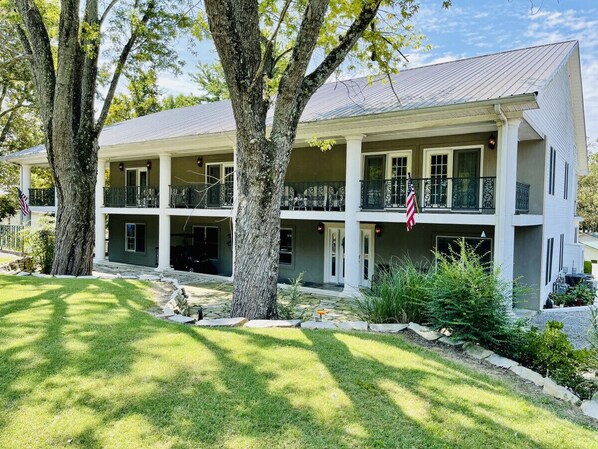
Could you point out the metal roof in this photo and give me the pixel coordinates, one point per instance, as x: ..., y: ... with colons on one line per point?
x: 489, y: 77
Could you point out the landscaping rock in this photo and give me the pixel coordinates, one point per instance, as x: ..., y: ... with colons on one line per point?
x: 477, y: 352
x: 590, y: 408
x: 182, y: 319
x: 222, y: 322
x: 129, y: 276
x: 88, y: 277
x: 149, y: 277
x: 451, y: 341
x: 559, y: 392
x: 23, y: 273
x: 170, y: 281
x: 65, y: 276
x: 264, y: 324
x: 501, y: 362
x: 391, y: 328
x: 425, y: 332
x: 528, y: 374
x: 353, y: 326
x: 41, y: 275
x: 318, y: 325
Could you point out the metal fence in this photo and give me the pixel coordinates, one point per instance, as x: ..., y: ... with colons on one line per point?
x: 11, y: 238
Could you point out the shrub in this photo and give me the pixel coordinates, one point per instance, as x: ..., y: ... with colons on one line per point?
x: 289, y: 299
x: 551, y: 354
x: 468, y: 297
x: 40, y: 244
x: 398, y: 294
x: 587, y: 267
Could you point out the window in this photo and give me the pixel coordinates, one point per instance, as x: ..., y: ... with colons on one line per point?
x: 552, y: 171
x: 482, y: 246
x: 286, y: 247
x: 549, y: 251
x: 135, y: 239
x: 205, y: 242
x: 566, y: 188
x: 561, y: 251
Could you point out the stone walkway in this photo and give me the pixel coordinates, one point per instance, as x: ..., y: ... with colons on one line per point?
x: 214, y: 293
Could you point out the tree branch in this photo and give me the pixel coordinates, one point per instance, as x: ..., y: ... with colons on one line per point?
x: 39, y: 47
x: 120, y: 65
x: 111, y: 5
x: 333, y: 60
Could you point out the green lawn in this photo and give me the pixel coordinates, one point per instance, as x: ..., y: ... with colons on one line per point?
x: 81, y: 365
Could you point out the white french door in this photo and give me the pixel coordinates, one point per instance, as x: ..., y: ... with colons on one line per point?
x: 335, y: 254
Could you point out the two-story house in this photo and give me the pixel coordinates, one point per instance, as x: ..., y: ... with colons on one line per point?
x: 494, y: 145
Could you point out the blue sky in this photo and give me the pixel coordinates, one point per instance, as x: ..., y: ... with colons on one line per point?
x: 475, y: 27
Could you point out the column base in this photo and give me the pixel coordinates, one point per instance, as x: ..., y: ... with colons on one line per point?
x: 351, y: 290
x: 162, y: 269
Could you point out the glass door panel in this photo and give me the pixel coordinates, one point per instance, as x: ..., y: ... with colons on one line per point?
x: 335, y: 271
x: 398, y: 181
x: 213, y: 175
x: 438, y: 183
x: 228, y: 186
x: 466, y: 174
x: 373, y: 179
x: 367, y: 257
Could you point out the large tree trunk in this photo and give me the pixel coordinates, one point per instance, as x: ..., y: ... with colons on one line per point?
x: 75, y: 216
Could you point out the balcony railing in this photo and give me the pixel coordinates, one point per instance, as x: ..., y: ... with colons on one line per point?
x: 316, y: 195
x: 432, y: 194
x: 202, y: 195
x: 42, y: 197
x: 131, y: 197
x: 522, y: 198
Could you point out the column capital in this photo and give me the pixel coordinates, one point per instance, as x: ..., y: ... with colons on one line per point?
x: 164, y: 154
x: 354, y: 137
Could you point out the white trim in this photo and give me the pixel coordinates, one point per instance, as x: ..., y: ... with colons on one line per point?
x: 139, y: 170
x: 340, y: 254
x: 370, y: 229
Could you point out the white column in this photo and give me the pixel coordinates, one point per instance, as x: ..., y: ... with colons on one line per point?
x: 25, y: 186
x: 164, y: 220
x: 100, y: 230
x: 352, y: 196
x: 506, y: 186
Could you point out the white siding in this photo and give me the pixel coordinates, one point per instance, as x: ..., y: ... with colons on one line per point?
x: 555, y: 120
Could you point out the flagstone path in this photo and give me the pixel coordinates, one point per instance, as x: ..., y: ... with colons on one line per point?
x: 214, y: 293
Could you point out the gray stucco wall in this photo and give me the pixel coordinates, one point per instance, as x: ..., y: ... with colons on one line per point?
x: 308, y: 252
x: 528, y: 264
x: 116, y: 245
x: 418, y: 243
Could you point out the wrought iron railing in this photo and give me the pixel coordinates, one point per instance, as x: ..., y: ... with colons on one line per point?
x: 315, y: 195
x: 131, y: 197
x: 42, y: 197
x: 522, y: 198
x: 432, y: 194
x: 202, y: 195
x: 11, y: 238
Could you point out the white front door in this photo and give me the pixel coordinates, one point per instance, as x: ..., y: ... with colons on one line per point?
x: 366, y: 256
x: 335, y: 255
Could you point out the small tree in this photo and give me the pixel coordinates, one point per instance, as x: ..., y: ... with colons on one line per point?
x: 8, y: 206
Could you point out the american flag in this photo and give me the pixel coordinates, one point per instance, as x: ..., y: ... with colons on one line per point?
x: 410, y: 203
x: 23, y: 203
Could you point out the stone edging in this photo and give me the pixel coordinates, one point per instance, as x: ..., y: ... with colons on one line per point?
x: 588, y: 407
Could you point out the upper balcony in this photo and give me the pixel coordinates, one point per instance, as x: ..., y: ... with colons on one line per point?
x: 42, y: 197
x: 131, y: 197
x: 309, y: 195
x: 439, y: 194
